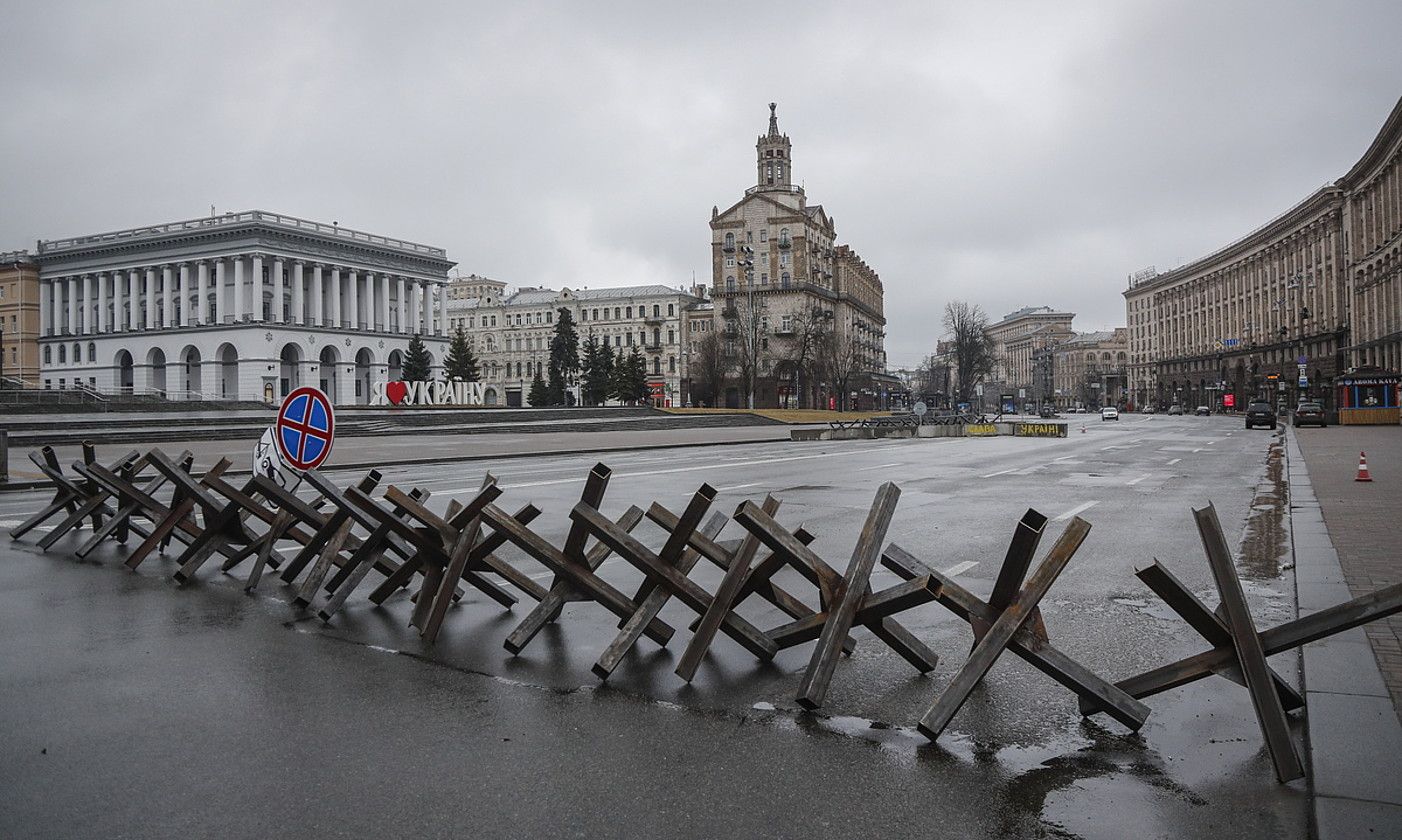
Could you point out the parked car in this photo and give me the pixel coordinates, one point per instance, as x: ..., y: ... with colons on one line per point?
x: 1203, y: 411
x: 1047, y: 412
x: 1260, y: 413
x: 1109, y: 412
x: 1176, y: 409
x: 1309, y: 413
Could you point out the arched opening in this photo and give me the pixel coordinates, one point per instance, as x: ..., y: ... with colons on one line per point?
x: 156, y: 364
x: 125, y: 378
x: 329, y: 360
x: 228, y: 359
x: 290, y: 372
x: 194, y: 380
x: 489, y: 396
x: 396, y: 366
x: 364, y: 370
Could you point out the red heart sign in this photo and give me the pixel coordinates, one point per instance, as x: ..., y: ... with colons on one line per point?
x: 396, y: 392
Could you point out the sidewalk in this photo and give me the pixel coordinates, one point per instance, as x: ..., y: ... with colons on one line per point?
x: 1363, y: 520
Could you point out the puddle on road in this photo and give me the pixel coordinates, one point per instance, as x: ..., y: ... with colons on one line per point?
x: 1263, y: 544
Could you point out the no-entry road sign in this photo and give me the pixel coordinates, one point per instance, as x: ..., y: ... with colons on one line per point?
x: 306, y: 427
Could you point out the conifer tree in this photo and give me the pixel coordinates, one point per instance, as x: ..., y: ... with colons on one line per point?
x: 539, y: 395
x: 416, y: 362
x: 564, y: 356
x: 461, y: 362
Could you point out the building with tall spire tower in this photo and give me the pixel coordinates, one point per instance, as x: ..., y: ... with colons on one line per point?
x: 801, y: 316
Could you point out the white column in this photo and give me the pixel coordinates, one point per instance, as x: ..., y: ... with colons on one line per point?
x: 85, y: 316
x: 236, y: 310
x: 167, y: 298
x: 425, y: 311
x: 257, y: 287
x: 222, y: 305
x: 72, y: 300
x: 102, y: 303
x: 133, y: 299
x: 299, y: 293
x: 119, y: 294
x: 277, y: 316
x: 354, y: 285
x: 56, y: 321
x: 367, y: 280
x: 318, y: 307
x: 437, y: 308
x: 337, y: 315
x: 202, y: 291
x: 414, y: 324
x: 384, y: 302
x: 185, y: 306
x: 150, y: 298
x: 403, y: 308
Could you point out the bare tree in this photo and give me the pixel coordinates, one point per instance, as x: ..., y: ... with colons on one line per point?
x: 809, y: 328
x: 967, y: 328
x: 707, y: 369
x: 746, y: 323
x: 842, y: 361
x: 932, y: 377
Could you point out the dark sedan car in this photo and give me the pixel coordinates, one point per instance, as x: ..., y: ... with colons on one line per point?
x: 1260, y: 414
x: 1309, y: 414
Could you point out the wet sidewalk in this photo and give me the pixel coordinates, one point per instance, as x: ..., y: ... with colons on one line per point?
x: 1363, y: 521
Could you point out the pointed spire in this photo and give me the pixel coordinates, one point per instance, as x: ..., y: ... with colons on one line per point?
x: 773, y: 121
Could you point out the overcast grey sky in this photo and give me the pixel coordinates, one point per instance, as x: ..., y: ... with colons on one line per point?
x: 1009, y: 154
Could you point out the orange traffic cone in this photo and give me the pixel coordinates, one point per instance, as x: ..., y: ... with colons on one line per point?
x: 1363, y: 468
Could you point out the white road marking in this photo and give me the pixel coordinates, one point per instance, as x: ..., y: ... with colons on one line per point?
x: 738, y: 486
x: 1075, y: 510
x: 1174, y: 461
x: 1139, y: 479
x: 1196, y: 451
x: 1063, y: 458
x: 878, y: 467
x: 960, y: 568
x: 1000, y: 472
x: 693, y: 468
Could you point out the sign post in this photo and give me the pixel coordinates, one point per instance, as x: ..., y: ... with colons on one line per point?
x: 300, y: 440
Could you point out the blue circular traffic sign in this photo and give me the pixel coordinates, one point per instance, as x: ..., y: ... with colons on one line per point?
x: 306, y: 427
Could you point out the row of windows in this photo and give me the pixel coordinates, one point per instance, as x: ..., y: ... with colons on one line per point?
x: 530, y: 369
x: 784, y: 239
x: 785, y: 281
x: 548, y: 317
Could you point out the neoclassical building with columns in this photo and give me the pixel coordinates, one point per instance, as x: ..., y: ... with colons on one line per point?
x: 236, y: 306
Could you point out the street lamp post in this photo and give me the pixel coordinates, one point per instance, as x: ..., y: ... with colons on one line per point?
x: 746, y: 262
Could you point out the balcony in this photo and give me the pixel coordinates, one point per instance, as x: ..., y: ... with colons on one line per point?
x: 728, y: 248
x: 653, y: 320
x: 785, y: 243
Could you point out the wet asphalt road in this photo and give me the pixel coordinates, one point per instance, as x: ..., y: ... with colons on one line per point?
x: 203, y: 710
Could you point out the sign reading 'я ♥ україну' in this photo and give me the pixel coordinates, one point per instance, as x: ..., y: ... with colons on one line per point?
x: 427, y: 393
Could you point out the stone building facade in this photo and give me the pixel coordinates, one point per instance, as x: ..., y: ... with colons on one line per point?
x: 19, y: 319
x: 1090, y: 370
x: 238, y: 306
x: 1280, y: 312
x: 779, y: 279
x: 475, y: 287
x: 511, y: 335
x: 1022, y: 342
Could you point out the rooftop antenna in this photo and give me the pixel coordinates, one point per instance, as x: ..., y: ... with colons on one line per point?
x: 211, y: 211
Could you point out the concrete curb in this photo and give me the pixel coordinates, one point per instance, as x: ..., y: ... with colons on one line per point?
x: 452, y: 459
x: 1353, y: 737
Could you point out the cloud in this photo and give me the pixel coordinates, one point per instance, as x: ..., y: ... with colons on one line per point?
x: 1009, y: 154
